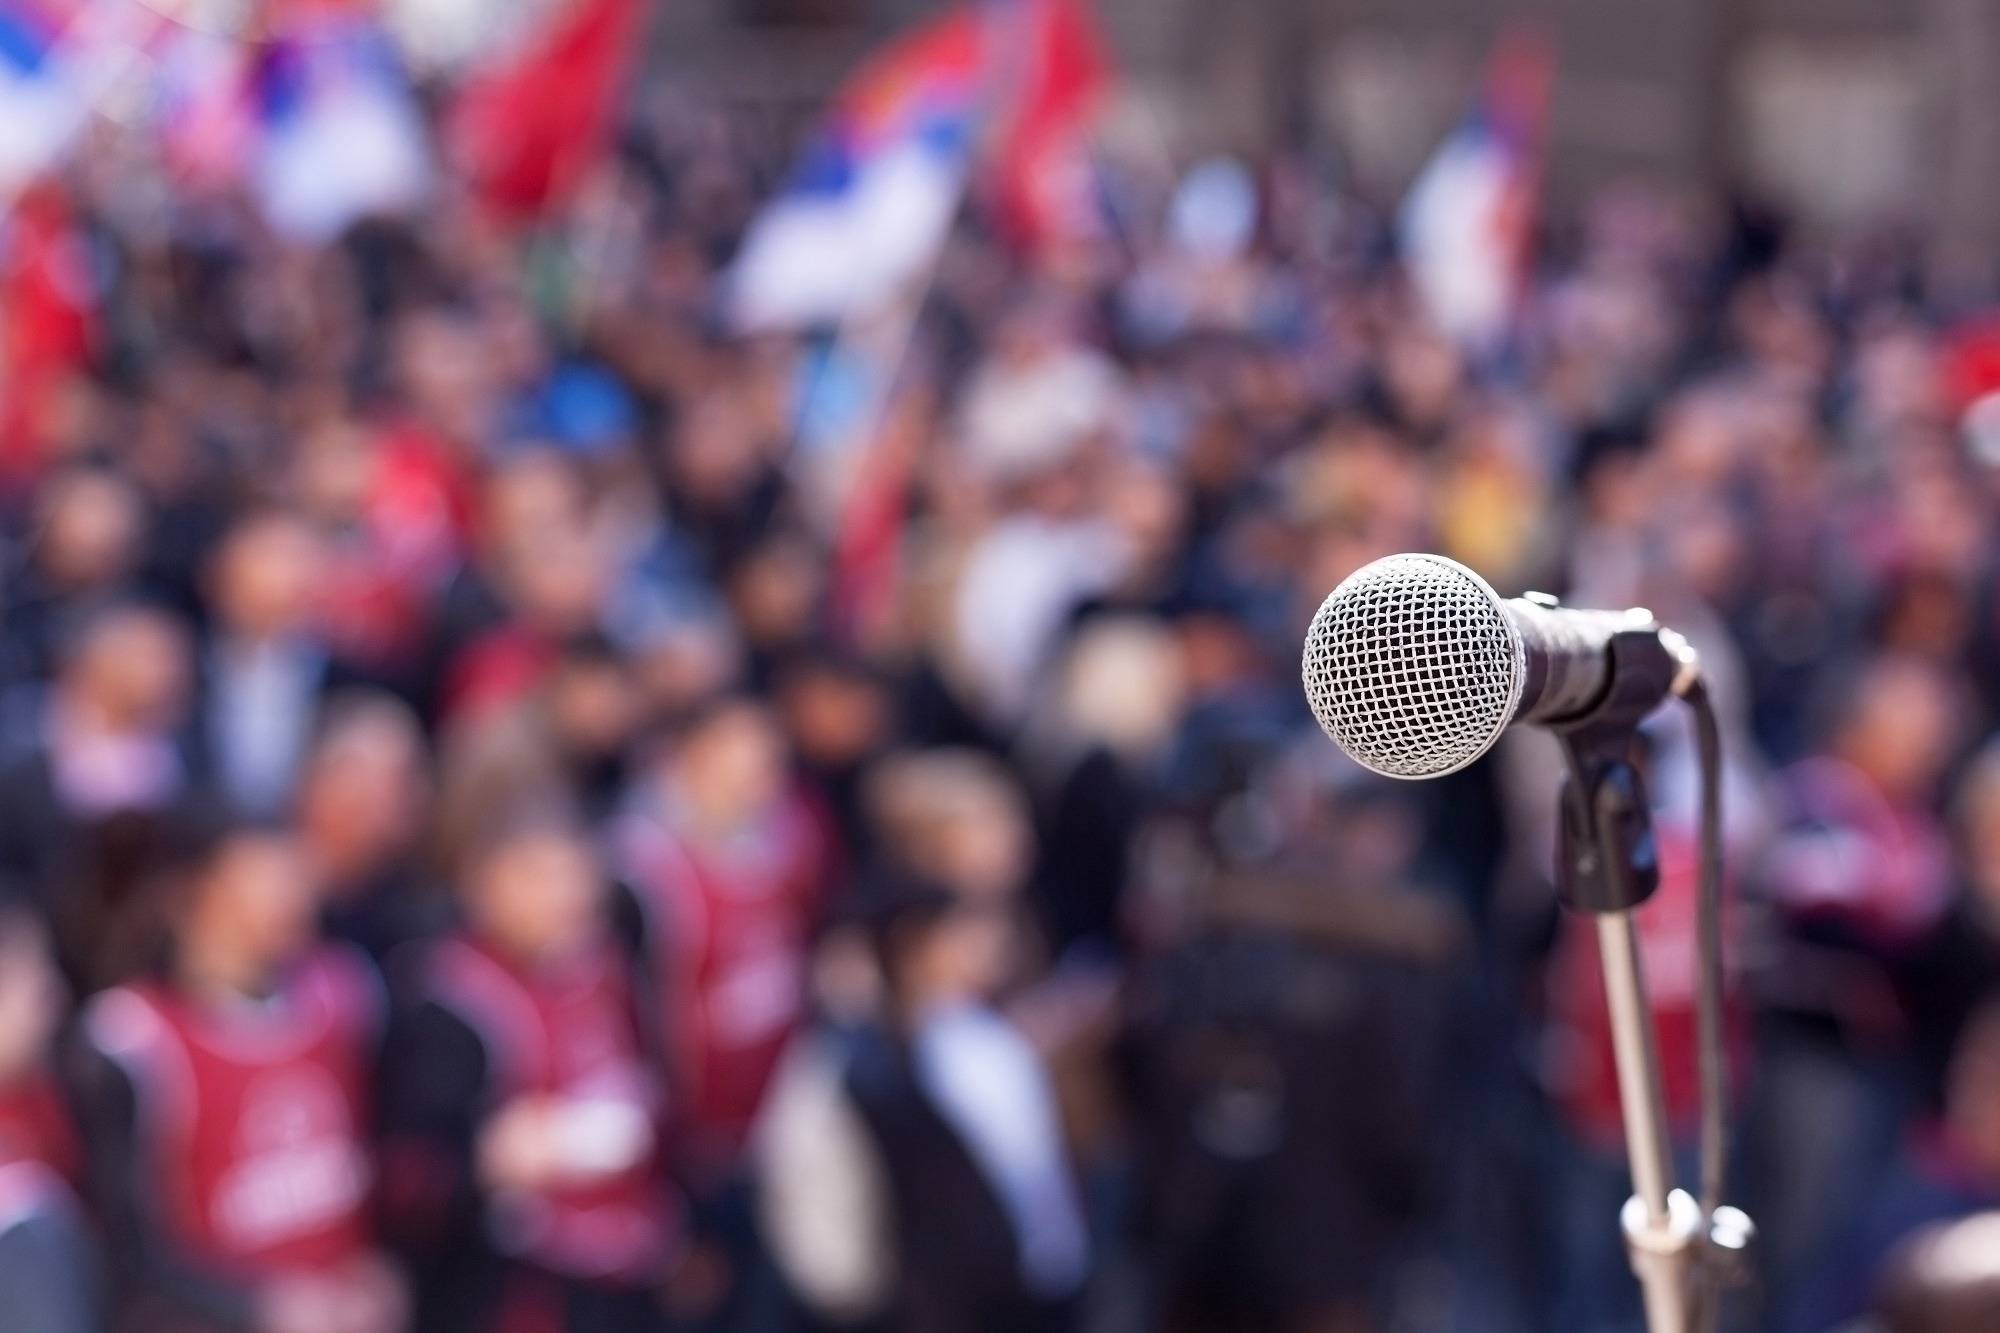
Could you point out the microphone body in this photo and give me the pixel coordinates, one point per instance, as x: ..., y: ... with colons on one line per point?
x: 1414, y: 665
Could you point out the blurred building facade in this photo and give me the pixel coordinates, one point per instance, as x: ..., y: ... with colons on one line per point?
x: 1843, y: 114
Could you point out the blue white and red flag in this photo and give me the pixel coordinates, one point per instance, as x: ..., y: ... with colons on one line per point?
x: 1468, y: 221
x: 876, y: 188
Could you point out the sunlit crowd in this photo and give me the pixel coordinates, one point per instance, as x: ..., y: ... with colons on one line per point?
x: 507, y: 824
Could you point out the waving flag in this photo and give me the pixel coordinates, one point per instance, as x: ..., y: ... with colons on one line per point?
x: 48, y: 321
x: 1469, y: 219
x: 316, y: 119
x: 1043, y: 187
x: 874, y: 193
x: 533, y: 117
x: 342, y: 137
x: 57, y: 62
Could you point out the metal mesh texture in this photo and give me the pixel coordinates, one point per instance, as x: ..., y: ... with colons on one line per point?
x: 1412, y: 667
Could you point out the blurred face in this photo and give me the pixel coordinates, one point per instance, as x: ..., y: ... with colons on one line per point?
x: 716, y: 454
x: 442, y: 365
x: 530, y: 500
x: 133, y: 674
x: 558, y: 584
x: 253, y: 907
x: 964, y: 956
x: 595, y: 706
x: 267, y: 577
x: 1900, y: 730
x: 536, y: 897
x: 732, y: 769
x: 982, y: 853
x: 335, y: 465
x: 364, y: 799
x: 834, y: 720
x: 91, y: 534
x: 32, y: 996
x: 776, y: 591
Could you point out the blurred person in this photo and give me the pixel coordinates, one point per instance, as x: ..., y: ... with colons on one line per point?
x: 446, y: 372
x: 363, y: 806
x: 184, y: 490
x: 523, y: 1114
x: 552, y: 591
x: 530, y: 497
x: 719, y: 473
x: 265, y: 667
x: 570, y: 733
x: 839, y: 717
x: 79, y: 808
x: 684, y: 661
x: 1490, y: 497
x: 227, y: 1101
x: 1288, y: 1055
x: 375, y: 589
x: 1033, y: 421
x: 1419, y: 378
x: 1945, y: 981
x: 85, y: 547
x: 50, y: 1280
x: 1867, y: 858
x: 730, y: 867
x: 1860, y: 876
x: 1945, y: 1279
x: 1947, y: 1168
x: 956, y: 818
x: 988, y: 1223
x: 1096, y: 756
x: 776, y: 592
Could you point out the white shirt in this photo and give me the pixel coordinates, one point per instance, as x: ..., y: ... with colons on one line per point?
x: 989, y: 1084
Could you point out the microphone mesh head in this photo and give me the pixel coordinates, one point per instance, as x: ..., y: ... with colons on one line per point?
x: 1412, y: 667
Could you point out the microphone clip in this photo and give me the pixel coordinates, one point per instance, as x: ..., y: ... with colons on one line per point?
x: 1606, y: 859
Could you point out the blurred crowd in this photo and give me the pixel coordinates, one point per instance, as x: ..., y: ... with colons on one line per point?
x: 504, y: 828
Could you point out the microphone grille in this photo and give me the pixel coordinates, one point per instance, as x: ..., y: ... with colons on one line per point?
x: 1412, y: 666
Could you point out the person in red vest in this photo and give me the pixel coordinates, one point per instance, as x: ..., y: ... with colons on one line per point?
x: 227, y: 1107
x: 522, y: 1118
x: 49, y: 1278
x: 728, y: 861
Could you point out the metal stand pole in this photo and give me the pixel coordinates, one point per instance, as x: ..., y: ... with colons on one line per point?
x: 1661, y: 1224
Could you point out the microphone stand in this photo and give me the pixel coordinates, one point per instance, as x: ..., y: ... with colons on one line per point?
x: 1684, y: 1251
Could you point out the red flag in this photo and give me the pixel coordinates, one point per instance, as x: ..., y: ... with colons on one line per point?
x: 48, y: 322
x: 1043, y: 188
x: 527, y: 129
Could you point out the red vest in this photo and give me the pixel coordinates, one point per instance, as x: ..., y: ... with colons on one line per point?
x: 730, y: 928
x: 1579, y: 1066
x: 39, y: 1156
x: 567, y: 1031
x: 252, y: 1118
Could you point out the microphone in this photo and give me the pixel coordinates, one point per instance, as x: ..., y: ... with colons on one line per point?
x: 1414, y: 665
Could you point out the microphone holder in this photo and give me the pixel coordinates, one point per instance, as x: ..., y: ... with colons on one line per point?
x: 1683, y: 1251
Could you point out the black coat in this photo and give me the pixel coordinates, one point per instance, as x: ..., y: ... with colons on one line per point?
x: 958, y: 1267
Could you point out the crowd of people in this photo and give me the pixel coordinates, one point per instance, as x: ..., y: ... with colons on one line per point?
x: 497, y: 836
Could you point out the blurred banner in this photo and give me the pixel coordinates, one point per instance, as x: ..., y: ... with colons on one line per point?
x: 534, y: 112
x: 1470, y: 217
x: 58, y: 61
x: 1005, y: 89
x: 48, y: 320
x: 874, y: 193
